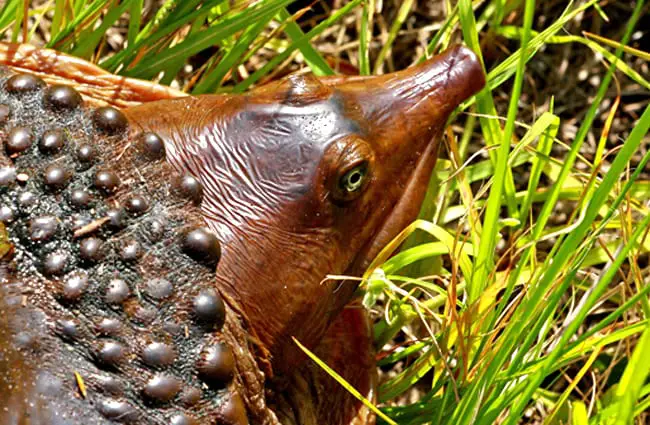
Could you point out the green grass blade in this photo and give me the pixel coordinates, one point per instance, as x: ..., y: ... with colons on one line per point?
x: 314, y: 59
x: 402, y: 14
x: 57, y: 18
x: 162, y: 15
x: 489, y: 236
x: 443, y: 32
x: 365, y: 35
x: 643, y: 406
x: 88, y: 44
x: 563, y: 255
x: 513, y: 32
x: 579, y: 414
x: 231, y: 59
x: 416, y: 413
x: 18, y: 22
x: 410, y: 376
x: 149, y: 37
x: 493, y: 136
x: 78, y: 7
x: 39, y: 18
x: 154, y: 64
x: 135, y: 21
x: 538, y: 163
x: 503, y: 71
x: 80, y: 21
x: 567, y: 166
x: 611, y: 43
x: 279, y: 58
x: 175, y: 67
x: 578, y: 350
x: 399, y: 355
x: 8, y: 14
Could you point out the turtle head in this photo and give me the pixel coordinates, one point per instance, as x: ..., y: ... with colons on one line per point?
x: 307, y: 177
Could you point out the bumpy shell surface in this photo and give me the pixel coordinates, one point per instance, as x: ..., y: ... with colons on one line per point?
x: 106, y: 282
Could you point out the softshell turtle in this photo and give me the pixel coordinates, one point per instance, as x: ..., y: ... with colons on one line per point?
x: 160, y: 251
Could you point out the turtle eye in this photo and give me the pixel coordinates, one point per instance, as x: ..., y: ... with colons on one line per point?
x: 349, y: 170
x: 351, y: 182
x: 354, y: 179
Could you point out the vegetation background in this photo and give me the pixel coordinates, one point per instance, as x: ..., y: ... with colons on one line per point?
x: 521, y: 296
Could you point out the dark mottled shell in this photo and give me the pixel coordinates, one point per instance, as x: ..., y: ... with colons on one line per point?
x: 43, y: 228
x: 233, y: 411
x: 189, y: 187
x: 107, y: 180
x: 109, y: 384
x: 26, y: 341
x: 190, y: 396
x: 117, y: 291
x: 52, y: 141
x: 6, y: 214
x: 79, y: 221
x: 162, y: 388
x: 117, y: 410
x: 80, y: 198
x: 5, y: 113
x: 202, y: 244
x: 109, y: 120
x: 216, y: 363
x: 152, y: 145
x: 158, y: 354
x: 86, y: 153
x: 131, y: 250
x: 183, y: 419
x: 90, y: 249
x: 62, y: 97
x: 56, y: 176
x: 7, y: 176
x: 19, y: 140
x: 116, y: 217
x: 209, y: 308
x: 27, y: 199
x: 111, y: 353
x: 55, y: 263
x: 109, y: 326
x: 23, y: 83
x: 137, y: 205
x: 159, y: 288
x: 74, y: 285
x: 109, y: 259
x: 68, y: 328
x: 155, y: 230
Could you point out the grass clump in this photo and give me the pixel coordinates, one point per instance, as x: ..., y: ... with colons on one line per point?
x: 521, y: 293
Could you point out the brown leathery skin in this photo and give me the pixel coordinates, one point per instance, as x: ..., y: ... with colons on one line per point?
x: 270, y: 162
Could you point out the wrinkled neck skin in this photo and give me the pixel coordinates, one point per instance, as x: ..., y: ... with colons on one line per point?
x: 275, y: 165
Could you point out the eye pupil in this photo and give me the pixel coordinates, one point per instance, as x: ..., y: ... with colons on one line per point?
x: 353, y: 179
